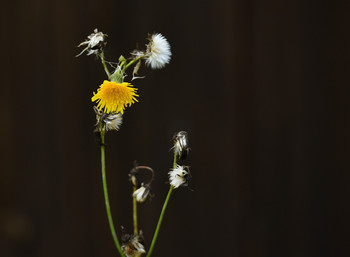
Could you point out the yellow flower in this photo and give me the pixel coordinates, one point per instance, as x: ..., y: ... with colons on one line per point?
x: 114, y: 97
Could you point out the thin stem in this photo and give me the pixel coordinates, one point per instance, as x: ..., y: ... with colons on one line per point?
x: 134, y: 203
x: 131, y: 63
x: 161, y: 214
x: 105, y: 191
x: 160, y: 222
x: 102, y: 56
x: 175, y: 159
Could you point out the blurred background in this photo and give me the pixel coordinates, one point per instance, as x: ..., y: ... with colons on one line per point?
x: 261, y: 87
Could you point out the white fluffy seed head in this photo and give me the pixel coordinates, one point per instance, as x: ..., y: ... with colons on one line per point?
x: 158, y: 52
x: 95, y: 43
x: 96, y: 38
x: 113, y: 121
x: 178, y: 176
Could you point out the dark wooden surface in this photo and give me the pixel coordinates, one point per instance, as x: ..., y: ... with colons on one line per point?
x: 262, y: 87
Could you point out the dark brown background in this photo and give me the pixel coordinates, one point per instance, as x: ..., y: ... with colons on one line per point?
x: 262, y: 87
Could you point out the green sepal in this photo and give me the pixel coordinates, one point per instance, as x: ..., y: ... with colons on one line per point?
x: 117, y: 76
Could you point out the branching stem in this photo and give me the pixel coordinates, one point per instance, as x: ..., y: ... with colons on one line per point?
x: 131, y: 63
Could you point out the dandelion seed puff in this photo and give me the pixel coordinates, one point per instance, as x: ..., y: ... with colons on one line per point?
x: 179, y: 176
x: 158, y: 52
x: 113, y: 121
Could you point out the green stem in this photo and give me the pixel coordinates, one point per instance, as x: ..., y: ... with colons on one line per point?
x: 174, y: 164
x: 102, y: 56
x: 160, y: 222
x: 134, y: 202
x: 105, y: 191
x: 131, y: 63
x: 161, y: 215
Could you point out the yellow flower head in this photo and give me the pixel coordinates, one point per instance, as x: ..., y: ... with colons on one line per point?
x: 114, y: 97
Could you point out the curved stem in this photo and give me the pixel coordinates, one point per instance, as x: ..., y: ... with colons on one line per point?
x: 102, y: 56
x: 105, y: 191
x: 161, y: 215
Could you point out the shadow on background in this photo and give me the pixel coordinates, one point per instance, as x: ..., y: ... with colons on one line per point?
x: 261, y: 87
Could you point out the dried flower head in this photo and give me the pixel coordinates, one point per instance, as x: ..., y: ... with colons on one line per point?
x: 114, y: 97
x: 158, y: 52
x: 112, y: 121
x: 137, y: 54
x: 181, y: 144
x: 95, y: 43
x: 132, y: 246
x: 179, y: 176
x: 142, y: 193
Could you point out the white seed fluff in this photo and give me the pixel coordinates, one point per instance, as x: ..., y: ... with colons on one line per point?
x: 93, y: 42
x: 177, y: 176
x: 158, y: 52
x: 113, y: 121
x: 133, y: 247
